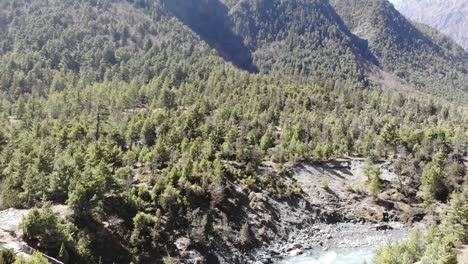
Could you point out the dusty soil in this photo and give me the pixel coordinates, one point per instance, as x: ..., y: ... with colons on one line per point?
x: 338, y: 174
x: 462, y: 257
x: 10, y: 220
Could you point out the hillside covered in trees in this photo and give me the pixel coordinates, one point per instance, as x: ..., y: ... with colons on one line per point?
x: 44, y: 43
x: 155, y: 120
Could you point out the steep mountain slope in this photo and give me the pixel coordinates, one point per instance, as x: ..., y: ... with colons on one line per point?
x: 125, y: 40
x: 426, y: 59
x: 297, y: 37
x: 447, y: 16
x: 113, y: 36
x: 44, y: 44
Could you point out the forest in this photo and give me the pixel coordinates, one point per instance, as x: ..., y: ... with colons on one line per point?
x: 134, y: 119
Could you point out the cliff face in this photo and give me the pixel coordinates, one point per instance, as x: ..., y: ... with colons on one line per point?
x: 447, y: 16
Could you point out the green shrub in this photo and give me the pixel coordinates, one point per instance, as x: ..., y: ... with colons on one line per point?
x: 325, y: 184
x: 44, y: 226
x: 349, y: 188
x: 407, y: 252
x: 439, y: 252
x: 63, y: 254
x: 36, y: 258
x: 7, y: 256
x: 375, y: 186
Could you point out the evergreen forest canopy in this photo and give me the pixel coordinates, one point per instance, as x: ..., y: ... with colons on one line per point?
x: 147, y: 113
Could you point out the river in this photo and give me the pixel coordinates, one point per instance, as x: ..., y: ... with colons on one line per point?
x: 332, y: 257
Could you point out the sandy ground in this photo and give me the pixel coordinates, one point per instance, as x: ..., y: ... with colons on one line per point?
x: 10, y: 221
x: 462, y: 257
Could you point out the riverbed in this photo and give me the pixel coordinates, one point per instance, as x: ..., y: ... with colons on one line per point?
x: 333, y: 257
x: 342, y: 243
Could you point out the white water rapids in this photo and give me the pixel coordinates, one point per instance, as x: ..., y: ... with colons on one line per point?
x: 332, y: 257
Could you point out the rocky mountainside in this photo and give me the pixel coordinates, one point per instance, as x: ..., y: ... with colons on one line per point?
x: 447, y: 16
x: 413, y: 53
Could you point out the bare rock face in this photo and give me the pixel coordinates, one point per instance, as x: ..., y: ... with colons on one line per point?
x: 369, y: 211
x: 346, y: 194
x: 10, y: 219
x: 408, y: 213
x: 447, y: 16
x: 392, y: 195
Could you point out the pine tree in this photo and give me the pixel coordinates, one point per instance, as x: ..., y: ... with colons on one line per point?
x: 433, y: 184
x: 63, y: 254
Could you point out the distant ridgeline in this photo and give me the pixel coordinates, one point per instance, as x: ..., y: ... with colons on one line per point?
x: 428, y: 60
x: 447, y: 16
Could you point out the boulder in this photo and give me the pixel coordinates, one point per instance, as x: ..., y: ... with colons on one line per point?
x: 409, y: 214
x: 391, y: 195
x: 370, y: 212
x: 295, y: 252
x: 182, y: 243
x: 383, y: 227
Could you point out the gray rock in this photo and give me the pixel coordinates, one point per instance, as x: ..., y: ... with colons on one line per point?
x: 182, y: 243
x: 295, y: 252
x: 274, y: 252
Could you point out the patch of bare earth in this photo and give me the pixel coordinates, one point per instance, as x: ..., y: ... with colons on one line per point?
x: 462, y: 257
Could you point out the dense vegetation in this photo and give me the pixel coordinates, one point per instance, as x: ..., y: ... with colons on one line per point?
x: 305, y: 38
x: 438, y: 246
x: 128, y: 116
x: 7, y: 256
x: 195, y: 139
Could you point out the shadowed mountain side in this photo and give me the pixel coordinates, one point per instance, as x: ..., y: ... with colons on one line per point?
x: 209, y: 19
x: 426, y: 59
x: 447, y: 16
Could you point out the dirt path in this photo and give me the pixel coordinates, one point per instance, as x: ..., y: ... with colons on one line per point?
x: 10, y: 220
x: 462, y: 257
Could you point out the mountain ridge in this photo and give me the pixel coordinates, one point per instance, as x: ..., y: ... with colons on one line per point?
x: 422, y: 59
x: 447, y: 16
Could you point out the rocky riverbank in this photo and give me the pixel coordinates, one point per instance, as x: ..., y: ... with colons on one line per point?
x: 340, y: 237
x: 340, y: 216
